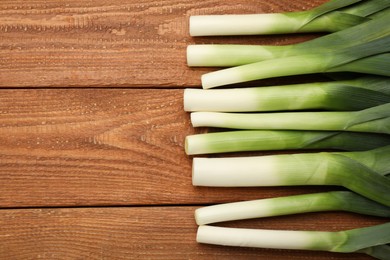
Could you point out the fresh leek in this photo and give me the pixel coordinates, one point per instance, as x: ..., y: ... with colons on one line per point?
x: 374, y: 120
x: 299, y: 65
x: 263, y: 140
x: 338, y: 95
x: 346, y: 241
x: 227, y: 171
x: 322, y: 18
x: 314, y: 202
x: 297, y: 169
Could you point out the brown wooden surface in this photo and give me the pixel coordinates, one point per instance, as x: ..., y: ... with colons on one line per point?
x: 145, y: 233
x: 111, y: 42
x: 92, y: 127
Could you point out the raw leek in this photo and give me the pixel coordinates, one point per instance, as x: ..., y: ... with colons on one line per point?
x: 321, y: 18
x: 341, y: 241
x: 298, y: 169
x: 338, y: 95
x: 236, y: 170
x: 374, y: 120
x: 267, y: 140
x: 324, y: 201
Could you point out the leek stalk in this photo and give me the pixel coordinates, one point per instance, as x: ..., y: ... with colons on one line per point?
x: 374, y: 119
x: 268, y: 140
x: 338, y: 95
x: 227, y: 171
x: 314, y: 202
x: 322, y: 18
x: 297, y: 169
x: 341, y: 241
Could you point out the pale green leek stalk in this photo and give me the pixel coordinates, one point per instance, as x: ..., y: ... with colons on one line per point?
x: 321, y: 18
x: 366, y: 8
x: 314, y: 202
x: 233, y: 55
x: 270, y: 140
x: 338, y: 95
x: 374, y: 120
x: 341, y: 241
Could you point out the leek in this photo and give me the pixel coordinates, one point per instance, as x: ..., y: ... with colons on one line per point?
x: 346, y: 241
x: 374, y: 120
x: 271, y: 170
x: 322, y: 18
x: 224, y: 171
x: 297, y: 169
x: 303, y: 64
x: 226, y: 55
x: 338, y: 95
x: 268, y: 140
x: 315, y: 202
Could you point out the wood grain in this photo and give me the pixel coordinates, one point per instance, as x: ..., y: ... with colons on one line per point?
x: 68, y: 147
x: 120, y: 43
x: 147, y: 233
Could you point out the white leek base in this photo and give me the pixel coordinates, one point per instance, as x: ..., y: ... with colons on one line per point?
x: 220, y: 100
x: 246, y: 24
x: 271, y: 170
x: 235, y: 211
x: 261, y: 238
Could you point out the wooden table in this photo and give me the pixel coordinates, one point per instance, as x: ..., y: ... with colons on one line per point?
x: 92, y: 164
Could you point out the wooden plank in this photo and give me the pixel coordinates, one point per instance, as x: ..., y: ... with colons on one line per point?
x: 61, y: 147
x: 147, y: 233
x: 113, y: 43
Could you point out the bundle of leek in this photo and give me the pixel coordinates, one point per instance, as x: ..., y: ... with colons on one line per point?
x: 280, y: 170
x: 223, y: 55
x: 362, y: 48
x: 360, y: 121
